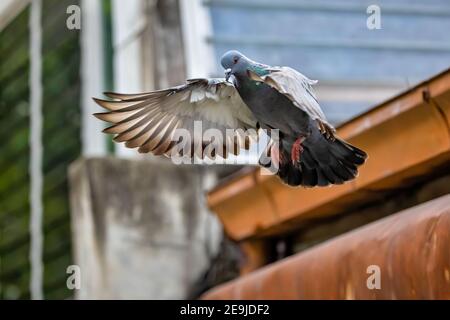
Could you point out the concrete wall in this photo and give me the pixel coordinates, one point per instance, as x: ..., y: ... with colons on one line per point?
x: 141, y: 231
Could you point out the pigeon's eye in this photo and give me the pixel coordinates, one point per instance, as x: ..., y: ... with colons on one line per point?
x: 235, y: 60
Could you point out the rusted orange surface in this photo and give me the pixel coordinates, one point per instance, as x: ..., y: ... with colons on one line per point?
x: 411, y: 249
x: 405, y: 137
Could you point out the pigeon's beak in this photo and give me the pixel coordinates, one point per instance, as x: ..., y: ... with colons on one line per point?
x: 227, y: 74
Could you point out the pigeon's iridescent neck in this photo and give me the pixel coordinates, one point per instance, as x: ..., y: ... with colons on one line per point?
x: 244, y: 84
x: 259, y: 69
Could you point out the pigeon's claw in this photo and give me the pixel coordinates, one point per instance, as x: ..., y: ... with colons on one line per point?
x: 297, y: 150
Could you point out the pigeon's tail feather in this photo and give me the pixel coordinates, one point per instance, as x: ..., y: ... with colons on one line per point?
x: 322, y: 162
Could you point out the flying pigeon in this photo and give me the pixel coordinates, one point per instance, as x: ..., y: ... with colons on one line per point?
x: 306, y: 150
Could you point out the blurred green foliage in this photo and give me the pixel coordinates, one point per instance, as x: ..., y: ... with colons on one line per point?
x: 62, y: 145
x: 14, y: 159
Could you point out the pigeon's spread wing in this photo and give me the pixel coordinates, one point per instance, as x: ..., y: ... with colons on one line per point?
x: 298, y: 89
x: 149, y: 121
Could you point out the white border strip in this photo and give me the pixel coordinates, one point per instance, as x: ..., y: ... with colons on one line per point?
x: 36, y: 150
x: 197, y: 29
x: 92, y: 77
x: 128, y: 21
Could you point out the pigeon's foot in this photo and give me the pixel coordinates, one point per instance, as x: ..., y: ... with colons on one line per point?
x: 297, y: 150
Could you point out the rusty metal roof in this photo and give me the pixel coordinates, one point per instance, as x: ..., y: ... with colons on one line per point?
x: 410, y: 251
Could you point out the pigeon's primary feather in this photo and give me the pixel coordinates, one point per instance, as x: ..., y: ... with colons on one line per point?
x: 148, y: 121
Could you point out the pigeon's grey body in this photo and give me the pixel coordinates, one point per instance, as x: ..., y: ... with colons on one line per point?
x: 305, y: 149
x: 271, y: 108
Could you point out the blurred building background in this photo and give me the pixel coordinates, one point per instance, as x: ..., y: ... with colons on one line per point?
x: 138, y: 45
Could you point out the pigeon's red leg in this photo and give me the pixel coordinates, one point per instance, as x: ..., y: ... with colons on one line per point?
x: 296, y: 150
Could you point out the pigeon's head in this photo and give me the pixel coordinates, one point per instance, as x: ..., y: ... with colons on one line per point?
x: 234, y: 62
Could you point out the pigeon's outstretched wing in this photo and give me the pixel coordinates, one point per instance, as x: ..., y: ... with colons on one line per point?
x: 149, y: 121
x: 298, y: 89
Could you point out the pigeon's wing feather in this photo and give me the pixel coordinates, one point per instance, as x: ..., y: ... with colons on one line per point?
x: 298, y: 88
x: 149, y: 121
